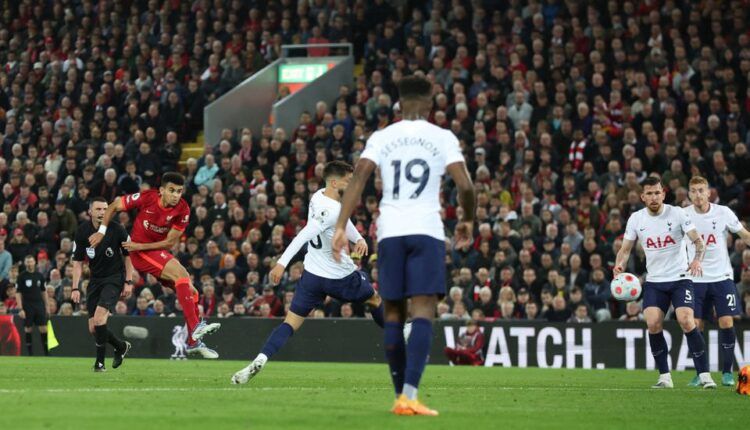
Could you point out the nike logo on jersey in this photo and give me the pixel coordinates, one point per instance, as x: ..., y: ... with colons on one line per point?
x: 643, y: 229
x: 149, y: 212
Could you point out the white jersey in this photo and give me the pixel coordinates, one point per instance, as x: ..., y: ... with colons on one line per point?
x: 318, y: 234
x: 661, y: 237
x: 713, y: 227
x: 412, y: 156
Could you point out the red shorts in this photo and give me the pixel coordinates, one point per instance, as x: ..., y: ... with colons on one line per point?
x: 152, y: 262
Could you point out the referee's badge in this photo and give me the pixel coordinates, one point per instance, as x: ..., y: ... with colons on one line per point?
x: 29, y: 282
x: 91, y: 252
x: 109, y: 252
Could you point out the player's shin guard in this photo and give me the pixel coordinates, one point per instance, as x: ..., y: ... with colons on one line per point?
x: 277, y: 339
x: 185, y: 297
x: 727, y: 339
x: 660, y: 351
x: 420, y: 340
x: 377, y: 315
x: 29, y: 341
x: 698, y: 350
x: 100, y: 336
x: 395, y: 353
x: 44, y: 343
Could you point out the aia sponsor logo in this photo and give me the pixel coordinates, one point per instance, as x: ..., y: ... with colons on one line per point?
x: 660, y: 242
x: 709, y: 239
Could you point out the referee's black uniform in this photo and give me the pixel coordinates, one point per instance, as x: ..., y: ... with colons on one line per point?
x: 30, y: 286
x: 106, y: 264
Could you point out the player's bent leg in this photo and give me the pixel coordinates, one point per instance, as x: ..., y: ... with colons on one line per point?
x: 121, y: 347
x: 376, y: 309
x: 696, y: 345
x: 186, y: 295
x: 276, y: 340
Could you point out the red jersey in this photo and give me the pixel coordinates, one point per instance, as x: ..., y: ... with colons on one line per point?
x: 154, y: 221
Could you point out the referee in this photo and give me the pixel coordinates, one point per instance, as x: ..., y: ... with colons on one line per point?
x: 111, y: 278
x: 31, y: 296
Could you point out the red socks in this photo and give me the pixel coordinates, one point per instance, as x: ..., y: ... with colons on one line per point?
x: 189, y: 306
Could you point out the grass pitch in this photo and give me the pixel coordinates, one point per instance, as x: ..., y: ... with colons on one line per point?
x: 64, y: 393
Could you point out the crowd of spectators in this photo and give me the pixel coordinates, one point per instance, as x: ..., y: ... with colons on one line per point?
x: 562, y: 108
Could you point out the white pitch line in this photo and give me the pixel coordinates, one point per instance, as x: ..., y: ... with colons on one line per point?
x: 291, y: 388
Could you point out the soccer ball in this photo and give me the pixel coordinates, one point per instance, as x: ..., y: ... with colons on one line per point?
x: 626, y: 287
x: 743, y: 381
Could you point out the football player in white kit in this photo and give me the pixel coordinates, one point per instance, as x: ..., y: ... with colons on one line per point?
x: 322, y: 275
x: 412, y: 156
x: 661, y: 229
x: 715, y: 289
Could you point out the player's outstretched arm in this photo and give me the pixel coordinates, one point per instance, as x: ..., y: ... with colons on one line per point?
x: 353, y: 236
x: 112, y: 209
x: 353, y: 193
x: 623, y: 255
x: 466, y: 199
x: 172, y: 239
x: 695, y: 268
x: 305, y: 235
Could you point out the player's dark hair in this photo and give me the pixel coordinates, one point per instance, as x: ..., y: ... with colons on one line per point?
x: 650, y: 182
x: 172, y: 177
x: 414, y: 87
x: 337, y: 168
x: 98, y: 199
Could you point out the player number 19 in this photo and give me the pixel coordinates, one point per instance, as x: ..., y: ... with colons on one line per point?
x: 409, y: 174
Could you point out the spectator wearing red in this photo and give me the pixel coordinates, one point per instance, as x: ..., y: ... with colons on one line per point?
x: 276, y: 307
x: 469, y: 348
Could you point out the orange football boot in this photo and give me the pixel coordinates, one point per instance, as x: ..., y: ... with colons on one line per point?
x: 401, y: 406
x: 420, y: 409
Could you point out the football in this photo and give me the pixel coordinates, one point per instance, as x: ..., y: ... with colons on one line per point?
x: 626, y: 287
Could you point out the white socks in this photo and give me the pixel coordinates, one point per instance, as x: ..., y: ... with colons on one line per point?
x: 410, y: 392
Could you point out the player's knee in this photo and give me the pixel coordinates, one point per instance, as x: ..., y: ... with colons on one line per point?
x: 375, y: 300
x: 654, y: 325
x: 726, y: 322
x: 174, y: 271
x: 687, y: 322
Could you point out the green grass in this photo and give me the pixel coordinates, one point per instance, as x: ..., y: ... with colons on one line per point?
x: 63, y: 393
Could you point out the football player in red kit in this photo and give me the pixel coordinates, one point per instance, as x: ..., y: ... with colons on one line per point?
x: 162, y: 218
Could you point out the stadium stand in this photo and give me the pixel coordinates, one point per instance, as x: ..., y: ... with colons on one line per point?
x: 562, y: 109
